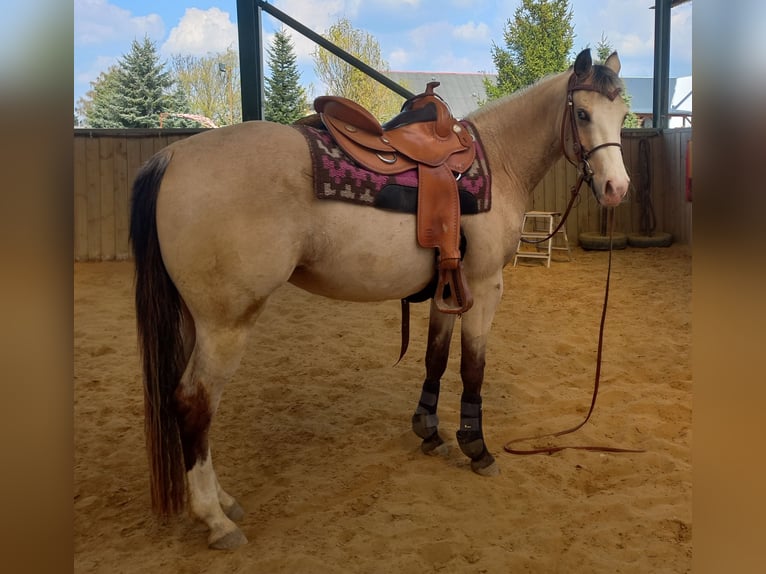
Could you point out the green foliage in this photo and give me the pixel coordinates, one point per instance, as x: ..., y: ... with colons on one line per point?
x: 537, y: 42
x: 343, y: 79
x: 285, y: 98
x: 211, y: 84
x: 135, y: 92
x: 99, y: 107
x: 603, y: 51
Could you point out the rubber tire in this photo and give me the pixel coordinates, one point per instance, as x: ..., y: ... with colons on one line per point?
x: 595, y: 241
x: 659, y: 239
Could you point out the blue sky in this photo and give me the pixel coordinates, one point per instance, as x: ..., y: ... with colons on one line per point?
x: 414, y: 35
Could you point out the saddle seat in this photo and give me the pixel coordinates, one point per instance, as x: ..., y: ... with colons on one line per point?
x: 425, y: 136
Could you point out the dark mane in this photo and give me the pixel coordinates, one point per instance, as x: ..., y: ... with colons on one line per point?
x: 605, y: 81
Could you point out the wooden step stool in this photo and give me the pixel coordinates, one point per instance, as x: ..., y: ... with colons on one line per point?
x: 536, y: 225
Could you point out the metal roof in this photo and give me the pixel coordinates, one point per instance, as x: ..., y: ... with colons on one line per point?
x: 463, y: 92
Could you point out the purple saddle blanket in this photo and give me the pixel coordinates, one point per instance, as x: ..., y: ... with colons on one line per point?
x: 337, y: 176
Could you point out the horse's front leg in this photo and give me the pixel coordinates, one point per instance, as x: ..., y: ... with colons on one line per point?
x: 476, y: 324
x: 425, y: 422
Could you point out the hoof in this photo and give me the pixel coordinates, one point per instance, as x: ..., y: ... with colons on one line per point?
x: 230, y: 541
x: 235, y: 512
x: 485, y: 466
x: 434, y: 445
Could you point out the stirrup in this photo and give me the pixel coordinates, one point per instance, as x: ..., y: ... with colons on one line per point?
x: 459, y: 300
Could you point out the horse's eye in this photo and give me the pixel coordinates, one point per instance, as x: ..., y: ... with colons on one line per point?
x: 583, y: 115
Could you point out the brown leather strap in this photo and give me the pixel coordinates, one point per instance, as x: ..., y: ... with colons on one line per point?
x: 405, y: 330
x: 574, y: 192
x: 553, y: 449
x: 438, y: 217
x: 438, y: 225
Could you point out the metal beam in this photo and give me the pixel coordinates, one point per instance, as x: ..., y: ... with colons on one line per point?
x: 250, y: 59
x: 661, y: 64
x: 251, y: 55
x: 327, y: 45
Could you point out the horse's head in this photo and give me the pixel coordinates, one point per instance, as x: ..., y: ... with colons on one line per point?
x: 596, y: 113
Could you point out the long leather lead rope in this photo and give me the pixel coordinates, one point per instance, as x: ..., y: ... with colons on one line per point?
x: 553, y: 449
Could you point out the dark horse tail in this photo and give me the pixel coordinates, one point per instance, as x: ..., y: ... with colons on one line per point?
x: 158, y: 315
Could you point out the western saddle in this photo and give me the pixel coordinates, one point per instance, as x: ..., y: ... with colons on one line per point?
x: 423, y: 136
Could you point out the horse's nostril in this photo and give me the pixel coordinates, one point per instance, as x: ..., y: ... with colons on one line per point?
x: 616, y: 190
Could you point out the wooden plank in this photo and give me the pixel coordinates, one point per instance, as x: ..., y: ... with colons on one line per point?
x: 106, y: 185
x: 147, y: 149
x: 134, y: 160
x: 121, y: 198
x: 630, y: 158
x: 93, y: 194
x: 80, y: 201
x: 558, y: 195
x: 677, y: 213
x: 548, y: 191
x: 566, y: 179
x: 160, y: 142
x: 662, y: 184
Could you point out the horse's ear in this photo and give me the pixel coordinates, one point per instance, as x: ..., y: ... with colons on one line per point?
x: 583, y: 63
x: 613, y: 62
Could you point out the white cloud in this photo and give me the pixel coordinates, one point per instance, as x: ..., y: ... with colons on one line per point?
x: 318, y: 16
x: 429, y: 35
x: 394, y: 4
x: 681, y: 32
x: 471, y: 32
x: 100, y: 64
x: 632, y: 44
x: 398, y: 59
x: 200, y: 32
x: 98, y: 21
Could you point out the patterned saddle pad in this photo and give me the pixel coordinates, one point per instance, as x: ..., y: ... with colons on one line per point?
x: 336, y: 176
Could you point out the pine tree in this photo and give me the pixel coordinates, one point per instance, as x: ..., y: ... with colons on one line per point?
x: 603, y: 51
x: 99, y: 107
x: 285, y: 98
x: 537, y: 43
x: 135, y: 92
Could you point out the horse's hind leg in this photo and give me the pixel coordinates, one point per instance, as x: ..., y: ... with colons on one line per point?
x: 216, y: 355
x: 425, y: 422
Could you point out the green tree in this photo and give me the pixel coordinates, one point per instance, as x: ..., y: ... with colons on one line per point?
x: 537, y: 42
x: 98, y: 108
x: 603, y: 51
x: 211, y: 85
x: 343, y: 79
x: 135, y: 92
x: 285, y: 98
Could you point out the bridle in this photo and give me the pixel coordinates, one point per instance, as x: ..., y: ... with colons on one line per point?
x: 582, y: 154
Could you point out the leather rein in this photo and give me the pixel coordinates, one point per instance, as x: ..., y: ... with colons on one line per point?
x: 585, y: 173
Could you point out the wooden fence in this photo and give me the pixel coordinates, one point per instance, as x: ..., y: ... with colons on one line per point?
x: 106, y: 161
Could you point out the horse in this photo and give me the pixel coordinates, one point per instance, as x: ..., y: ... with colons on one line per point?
x: 222, y: 219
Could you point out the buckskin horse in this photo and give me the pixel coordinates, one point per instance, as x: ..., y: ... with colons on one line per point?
x: 220, y: 220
